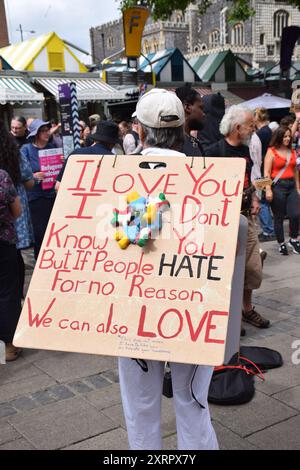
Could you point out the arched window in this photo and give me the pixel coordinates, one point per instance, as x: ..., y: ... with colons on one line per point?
x: 196, y: 49
x: 214, y: 38
x: 237, y: 35
x: 179, y: 18
x: 110, y: 42
x: 280, y: 20
x: 155, y: 44
x: 147, y: 47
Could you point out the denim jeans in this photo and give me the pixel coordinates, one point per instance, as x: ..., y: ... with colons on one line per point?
x: 265, y: 218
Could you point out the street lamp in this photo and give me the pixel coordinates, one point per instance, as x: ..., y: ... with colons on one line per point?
x: 25, y: 31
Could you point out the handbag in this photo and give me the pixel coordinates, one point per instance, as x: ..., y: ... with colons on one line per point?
x: 167, y: 384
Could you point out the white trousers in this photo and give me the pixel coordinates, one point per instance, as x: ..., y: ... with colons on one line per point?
x: 141, y: 397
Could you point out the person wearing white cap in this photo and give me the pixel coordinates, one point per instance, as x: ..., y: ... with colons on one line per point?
x: 161, y: 118
x: 131, y: 141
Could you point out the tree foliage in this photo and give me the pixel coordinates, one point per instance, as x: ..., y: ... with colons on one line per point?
x: 239, y: 10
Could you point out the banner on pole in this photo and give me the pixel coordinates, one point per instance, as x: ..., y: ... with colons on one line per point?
x: 69, y: 117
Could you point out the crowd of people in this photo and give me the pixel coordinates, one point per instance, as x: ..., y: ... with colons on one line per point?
x: 176, y: 124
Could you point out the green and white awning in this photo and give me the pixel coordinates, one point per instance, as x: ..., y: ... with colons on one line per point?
x: 16, y: 90
x: 88, y: 89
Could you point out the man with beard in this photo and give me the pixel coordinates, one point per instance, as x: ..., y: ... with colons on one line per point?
x: 18, y: 129
x: 237, y: 127
x: 194, y: 116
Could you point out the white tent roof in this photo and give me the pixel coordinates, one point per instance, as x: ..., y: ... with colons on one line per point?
x: 268, y: 101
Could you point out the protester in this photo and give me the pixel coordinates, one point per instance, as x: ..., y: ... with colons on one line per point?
x: 161, y: 118
x: 105, y: 138
x: 84, y: 134
x: 194, y: 116
x: 124, y: 128
x: 93, y: 121
x: 214, y: 109
x: 55, y: 134
x: 283, y: 195
x: 131, y: 140
x: 41, y: 200
x: 263, y: 136
x: 10, y: 300
x: 287, y: 121
x: 18, y: 129
x: 237, y: 127
x: 18, y: 168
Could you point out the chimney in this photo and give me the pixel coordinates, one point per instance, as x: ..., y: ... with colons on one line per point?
x: 4, y: 41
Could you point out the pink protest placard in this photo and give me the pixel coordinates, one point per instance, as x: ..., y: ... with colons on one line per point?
x: 51, y: 162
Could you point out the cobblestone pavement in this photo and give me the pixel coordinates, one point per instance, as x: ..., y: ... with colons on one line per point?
x: 57, y: 400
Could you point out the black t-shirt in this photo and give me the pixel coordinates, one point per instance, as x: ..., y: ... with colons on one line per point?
x: 265, y: 136
x: 192, y: 147
x: 20, y: 141
x: 224, y: 149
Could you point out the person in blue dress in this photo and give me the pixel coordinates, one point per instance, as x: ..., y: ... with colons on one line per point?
x: 41, y: 200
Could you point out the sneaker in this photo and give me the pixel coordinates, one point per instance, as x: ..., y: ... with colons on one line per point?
x: 255, y: 319
x: 283, y: 249
x: 295, y: 245
x: 263, y: 237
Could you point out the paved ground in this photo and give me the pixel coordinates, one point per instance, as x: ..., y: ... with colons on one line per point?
x: 55, y: 400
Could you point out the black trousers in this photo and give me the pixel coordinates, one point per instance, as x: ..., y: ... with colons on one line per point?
x: 286, y: 201
x: 40, y: 211
x: 21, y: 268
x: 10, y: 299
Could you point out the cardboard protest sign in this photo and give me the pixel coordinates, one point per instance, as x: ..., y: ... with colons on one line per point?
x: 167, y: 301
x: 51, y: 162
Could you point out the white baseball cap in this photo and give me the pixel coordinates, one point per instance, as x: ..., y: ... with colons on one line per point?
x: 160, y: 109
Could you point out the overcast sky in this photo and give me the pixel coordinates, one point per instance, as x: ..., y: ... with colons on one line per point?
x: 70, y: 19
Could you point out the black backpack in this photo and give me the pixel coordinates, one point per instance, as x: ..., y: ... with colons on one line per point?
x: 233, y: 384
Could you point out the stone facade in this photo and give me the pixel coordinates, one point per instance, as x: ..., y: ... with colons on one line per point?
x: 266, y: 45
x: 159, y: 35
x: 106, y: 40
x: 256, y: 40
